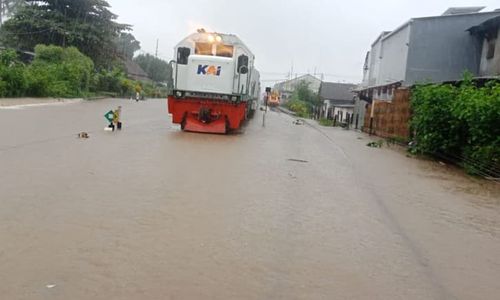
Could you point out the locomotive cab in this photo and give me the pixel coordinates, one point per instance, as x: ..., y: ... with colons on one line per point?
x: 214, y: 74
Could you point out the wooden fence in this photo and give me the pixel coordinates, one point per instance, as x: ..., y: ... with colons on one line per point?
x: 390, y: 119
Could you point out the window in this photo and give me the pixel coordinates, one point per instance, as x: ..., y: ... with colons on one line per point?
x: 491, y: 48
x: 208, y: 49
x: 224, y: 50
x: 203, y: 49
x: 183, y: 55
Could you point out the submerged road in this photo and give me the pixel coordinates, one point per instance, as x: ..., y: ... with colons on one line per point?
x: 281, y: 212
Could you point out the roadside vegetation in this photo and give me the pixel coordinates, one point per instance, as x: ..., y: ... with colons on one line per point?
x: 325, y: 122
x: 80, y: 51
x: 459, y: 123
x: 303, y: 101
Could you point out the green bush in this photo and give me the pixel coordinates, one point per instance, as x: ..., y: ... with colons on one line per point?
x: 299, y: 107
x: 66, y: 72
x: 111, y: 81
x: 459, y: 122
x: 13, y: 81
x: 325, y: 122
x: 59, y: 72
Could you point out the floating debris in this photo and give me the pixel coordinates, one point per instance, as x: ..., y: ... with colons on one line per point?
x: 298, y: 160
x: 83, y: 135
x: 377, y: 144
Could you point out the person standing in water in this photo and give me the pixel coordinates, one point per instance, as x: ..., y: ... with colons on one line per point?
x: 116, y: 118
x: 138, y: 90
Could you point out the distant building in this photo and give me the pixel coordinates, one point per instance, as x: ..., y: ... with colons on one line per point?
x: 286, y: 88
x: 428, y: 49
x: 373, y: 61
x: 338, y: 100
x: 488, y: 34
x: 134, y: 71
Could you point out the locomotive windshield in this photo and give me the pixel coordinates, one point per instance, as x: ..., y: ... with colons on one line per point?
x: 214, y: 49
x: 224, y: 51
x: 203, y: 49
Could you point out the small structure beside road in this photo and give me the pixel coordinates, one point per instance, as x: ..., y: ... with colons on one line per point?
x: 488, y: 35
x: 338, y: 100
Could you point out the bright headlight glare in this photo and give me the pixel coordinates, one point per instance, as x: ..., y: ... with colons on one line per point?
x: 211, y: 38
x: 218, y: 39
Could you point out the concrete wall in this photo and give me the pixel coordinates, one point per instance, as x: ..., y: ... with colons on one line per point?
x: 441, y: 48
x: 326, y: 108
x: 366, y: 70
x: 394, y: 55
x: 342, y: 113
x: 490, y: 67
x: 359, y: 111
x: 374, y: 63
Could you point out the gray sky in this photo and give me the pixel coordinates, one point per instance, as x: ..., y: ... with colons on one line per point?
x: 329, y: 36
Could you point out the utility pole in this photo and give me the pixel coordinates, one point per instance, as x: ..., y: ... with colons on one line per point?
x: 156, y: 53
x: 1, y: 11
x: 266, y: 100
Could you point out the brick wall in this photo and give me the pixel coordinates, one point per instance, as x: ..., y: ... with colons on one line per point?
x: 390, y: 119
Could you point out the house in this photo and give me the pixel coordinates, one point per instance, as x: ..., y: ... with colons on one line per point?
x: 372, y: 61
x: 428, y: 49
x: 135, y: 72
x: 286, y: 88
x: 338, y: 100
x: 488, y: 35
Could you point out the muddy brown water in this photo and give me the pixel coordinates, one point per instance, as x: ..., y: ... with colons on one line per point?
x: 281, y: 212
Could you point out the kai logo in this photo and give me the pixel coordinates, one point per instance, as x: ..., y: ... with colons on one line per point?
x: 209, y: 70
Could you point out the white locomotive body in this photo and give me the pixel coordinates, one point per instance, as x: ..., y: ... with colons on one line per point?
x: 213, y: 70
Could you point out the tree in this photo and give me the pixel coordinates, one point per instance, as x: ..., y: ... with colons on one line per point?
x: 127, y: 45
x: 60, y: 72
x: 12, y: 75
x: 88, y: 25
x: 303, y: 93
x: 8, y: 8
x: 157, y: 69
x: 304, y: 100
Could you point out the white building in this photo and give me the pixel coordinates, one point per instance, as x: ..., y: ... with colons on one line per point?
x: 338, y: 100
x: 427, y: 49
x: 286, y: 88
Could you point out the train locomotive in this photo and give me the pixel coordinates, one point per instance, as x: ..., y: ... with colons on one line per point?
x: 273, y: 99
x: 216, y: 85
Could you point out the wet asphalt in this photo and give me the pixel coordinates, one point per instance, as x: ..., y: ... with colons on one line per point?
x: 277, y: 212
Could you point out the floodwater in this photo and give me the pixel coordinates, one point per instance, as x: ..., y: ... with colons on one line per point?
x: 277, y: 212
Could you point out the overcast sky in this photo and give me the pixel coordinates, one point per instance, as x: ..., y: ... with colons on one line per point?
x: 328, y: 36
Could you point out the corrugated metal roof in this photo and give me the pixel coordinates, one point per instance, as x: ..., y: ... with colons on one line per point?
x: 463, y: 10
x: 485, y: 26
x: 337, y: 91
x: 134, y: 71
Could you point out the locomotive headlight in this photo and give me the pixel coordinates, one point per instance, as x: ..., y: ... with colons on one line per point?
x: 178, y: 94
x: 211, y: 38
x: 234, y: 98
x: 218, y: 39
